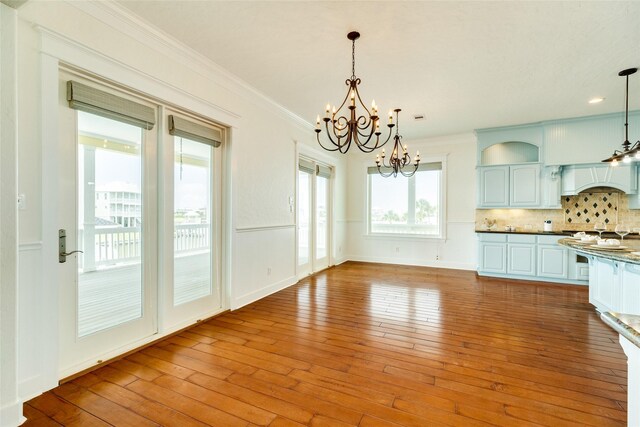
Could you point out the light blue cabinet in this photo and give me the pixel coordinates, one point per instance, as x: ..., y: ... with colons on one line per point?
x: 528, y: 256
x: 515, y: 186
x: 553, y: 261
x: 521, y: 259
x: 494, y: 186
x: 524, y: 184
x: 492, y: 257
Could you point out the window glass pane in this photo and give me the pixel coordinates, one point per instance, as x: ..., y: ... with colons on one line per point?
x: 389, y: 204
x: 304, y: 215
x: 405, y: 205
x: 192, y: 246
x: 322, y: 189
x: 109, y: 223
x: 427, y: 201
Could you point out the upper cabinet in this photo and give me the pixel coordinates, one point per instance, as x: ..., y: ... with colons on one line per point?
x: 509, y: 172
x: 530, y: 166
x: 585, y: 140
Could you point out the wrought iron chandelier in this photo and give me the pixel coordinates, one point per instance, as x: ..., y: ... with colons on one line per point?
x: 345, y: 129
x: 628, y: 152
x: 397, y: 162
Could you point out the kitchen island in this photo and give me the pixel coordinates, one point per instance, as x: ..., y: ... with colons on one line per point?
x: 614, y: 288
x: 628, y: 326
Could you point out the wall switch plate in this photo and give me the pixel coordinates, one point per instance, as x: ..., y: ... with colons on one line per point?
x: 22, y: 201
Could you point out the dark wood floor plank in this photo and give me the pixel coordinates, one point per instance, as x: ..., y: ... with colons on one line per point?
x: 369, y: 345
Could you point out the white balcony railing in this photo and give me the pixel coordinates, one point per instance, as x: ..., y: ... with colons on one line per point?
x: 122, y: 245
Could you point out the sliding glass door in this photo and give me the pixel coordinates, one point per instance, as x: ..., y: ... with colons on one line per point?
x: 314, y: 196
x: 140, y: 221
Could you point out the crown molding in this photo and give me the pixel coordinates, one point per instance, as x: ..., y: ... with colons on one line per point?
x: 124, y: 21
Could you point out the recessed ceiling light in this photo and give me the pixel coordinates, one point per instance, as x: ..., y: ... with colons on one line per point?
x: 596, y: 100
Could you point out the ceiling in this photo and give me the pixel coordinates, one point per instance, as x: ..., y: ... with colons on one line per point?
x: 464, y: 65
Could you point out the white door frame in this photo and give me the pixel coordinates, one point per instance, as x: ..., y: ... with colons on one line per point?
x: 321, y: 157
x: 54, y: 50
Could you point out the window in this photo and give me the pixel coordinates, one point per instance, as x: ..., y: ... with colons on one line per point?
x: 410, y: 206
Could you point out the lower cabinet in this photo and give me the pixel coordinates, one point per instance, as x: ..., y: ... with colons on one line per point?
x: 525, y: 256
x: 614, y: 285
x: 493, y: 253
x: 552, y: 261
x: 630, y: 278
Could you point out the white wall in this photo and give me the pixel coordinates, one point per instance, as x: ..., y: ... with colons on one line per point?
x: 265, y: 140
x: 10, y: 403
x: 458, y: 250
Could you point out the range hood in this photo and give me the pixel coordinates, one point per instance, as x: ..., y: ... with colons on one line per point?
x: 579, y: 178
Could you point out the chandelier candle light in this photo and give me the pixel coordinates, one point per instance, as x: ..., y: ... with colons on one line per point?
x: 628, y: 152
x: 397, y: 162
x: 363, y: 130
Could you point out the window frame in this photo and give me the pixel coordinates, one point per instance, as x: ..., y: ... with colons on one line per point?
x: 442, y: 204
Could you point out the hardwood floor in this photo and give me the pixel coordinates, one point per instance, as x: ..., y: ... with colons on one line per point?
x: 369, y: 345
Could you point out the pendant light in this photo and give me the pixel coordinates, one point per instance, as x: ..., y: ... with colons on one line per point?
x: 628, y: 152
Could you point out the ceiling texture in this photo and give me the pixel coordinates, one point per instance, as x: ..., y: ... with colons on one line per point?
x: 463, y: 65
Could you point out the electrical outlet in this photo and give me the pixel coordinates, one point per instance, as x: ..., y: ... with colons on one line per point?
x: 340, y: 249
x: 268, y: 271
x: 397, y: 249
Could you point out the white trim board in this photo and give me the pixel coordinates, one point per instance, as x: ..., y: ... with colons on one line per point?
x: 414, y: 262
x: 265, y: 291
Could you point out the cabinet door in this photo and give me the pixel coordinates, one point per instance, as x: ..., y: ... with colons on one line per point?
x: 493, y: 257
x: 494, y: 186
x: 630, y: 289
x: 521, y: 259
x: 525, y: 185
x: 552, y: 261
x: 607, y: 294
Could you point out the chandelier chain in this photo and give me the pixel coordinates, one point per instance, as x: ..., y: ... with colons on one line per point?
x: 353, y: 59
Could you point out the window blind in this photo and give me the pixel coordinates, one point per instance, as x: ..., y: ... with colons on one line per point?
x: 323, y: 171
x: 194, y: 131
x: 95, y: 101
x: 433, y: 166
x: 306, y: 166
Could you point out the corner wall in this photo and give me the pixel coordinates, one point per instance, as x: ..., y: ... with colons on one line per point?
x: 458, y: 250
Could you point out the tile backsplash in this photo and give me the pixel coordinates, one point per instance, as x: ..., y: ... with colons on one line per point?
x: 588, y: 208
x: 562, y: 220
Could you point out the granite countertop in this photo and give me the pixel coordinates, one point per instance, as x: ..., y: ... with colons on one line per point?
x: 625, y: 255
x: 627, y: 325
x: 522, y: 231
x: 605, y: 235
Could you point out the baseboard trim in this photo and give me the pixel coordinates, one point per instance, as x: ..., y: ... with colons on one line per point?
x: 535, y: 279
x: 414, y: 262
x: 262, y: 292
x: 11, y: 414
x: 30, y: 388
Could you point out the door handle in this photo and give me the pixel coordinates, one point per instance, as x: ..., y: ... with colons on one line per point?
x: 62, y: 246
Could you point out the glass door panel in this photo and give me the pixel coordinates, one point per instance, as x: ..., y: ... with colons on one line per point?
x: 321, y: 223
x: 110, y: 227
x: 192, y: 219
x: 304, y: 222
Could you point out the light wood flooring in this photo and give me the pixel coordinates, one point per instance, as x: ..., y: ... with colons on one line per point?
x: 369, y: 345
